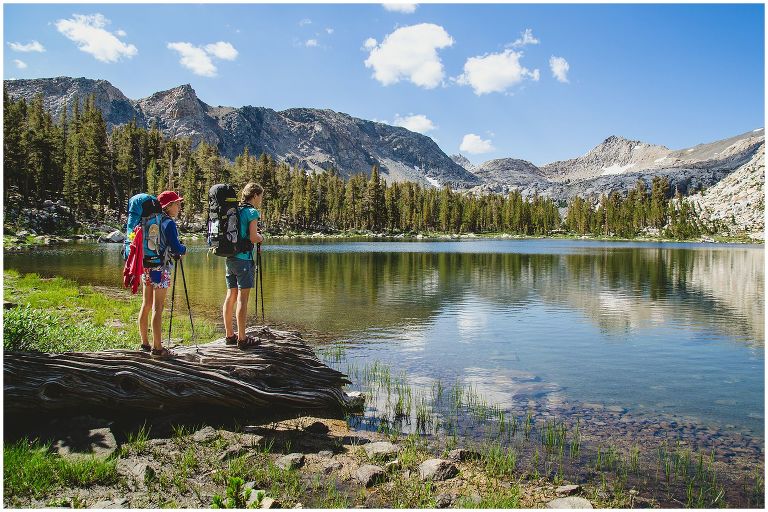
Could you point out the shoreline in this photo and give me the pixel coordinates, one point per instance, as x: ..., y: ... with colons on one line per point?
x: 12, y: 244
x: 530, y: 480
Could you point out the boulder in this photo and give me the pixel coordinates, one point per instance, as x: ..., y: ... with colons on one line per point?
x: 99, y: 442
x: 290, y: 461
x: 47, y: 203
x: 331, y: 466
x: 205, y: 435
x: 269, y: 503
x: 567, y: 490
x: 369, y: 475
x: 443, y: 500
x: 461, y: 455
x: 383, y: 449
x: 569, y: 502
x: 115, y: 237
x: 325, y: 454
x: 317, y: 427
x: 437, y: 469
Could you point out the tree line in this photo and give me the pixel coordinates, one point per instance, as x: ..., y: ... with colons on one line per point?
x: 641, y: 211
x: 96, y: 171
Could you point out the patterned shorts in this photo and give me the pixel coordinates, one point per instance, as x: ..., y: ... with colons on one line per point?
x: 158, y: 278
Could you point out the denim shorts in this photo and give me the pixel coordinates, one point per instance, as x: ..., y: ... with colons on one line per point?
x: 240, y: 273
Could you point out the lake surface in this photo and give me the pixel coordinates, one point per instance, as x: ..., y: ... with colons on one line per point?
x: 671, y: 331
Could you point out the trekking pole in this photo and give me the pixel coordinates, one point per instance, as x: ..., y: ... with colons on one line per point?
x: 173, y: 298
x: 261, y: 283
x: 189, y: 309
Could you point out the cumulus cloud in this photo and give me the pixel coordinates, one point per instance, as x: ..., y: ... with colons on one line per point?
x: 34, y: 46
x: 88, y: 32
x: 409, y: 53
x: 526, y: 38
x: 311, y: 43
x: 222, y: 50
x: 20, y: 64
x: 406, y: 8
x: 414, y: 122
x: 199, y: 59
x: 195, y: 59
x: 559, y: 67
x: 305, y: 21
x: 121, y: 33
x: 495, y: 72
x: 329, y: 31
x: 475, y: 145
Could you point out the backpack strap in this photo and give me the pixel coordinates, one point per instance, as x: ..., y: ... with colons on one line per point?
x: 245, y: 242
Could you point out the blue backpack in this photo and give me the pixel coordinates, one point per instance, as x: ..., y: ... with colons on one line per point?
x: 145, y: 210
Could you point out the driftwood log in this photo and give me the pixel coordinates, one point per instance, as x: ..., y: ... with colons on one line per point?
x: 282, y: 373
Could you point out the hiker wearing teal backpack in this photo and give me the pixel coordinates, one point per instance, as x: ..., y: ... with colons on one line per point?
x: 241, y: 269
x: 157, y: 277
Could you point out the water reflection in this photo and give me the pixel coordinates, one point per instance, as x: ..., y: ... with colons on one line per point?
x: 647, y: 327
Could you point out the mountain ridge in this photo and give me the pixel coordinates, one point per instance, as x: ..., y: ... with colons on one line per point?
x: 313, y: 138
x: 318, y: 139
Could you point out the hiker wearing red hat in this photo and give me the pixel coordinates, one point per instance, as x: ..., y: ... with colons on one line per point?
x: 157, y: 280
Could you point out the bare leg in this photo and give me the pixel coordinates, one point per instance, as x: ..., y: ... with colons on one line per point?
x: 242, y: 311
x: 157, y: 317
x: 228, y: 309
x: 146, y: 307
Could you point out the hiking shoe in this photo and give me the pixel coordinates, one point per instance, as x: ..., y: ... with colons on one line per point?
x: 145, y: 348
x: 248, y: 342
x: 231, y: 340
x: 162, y: 353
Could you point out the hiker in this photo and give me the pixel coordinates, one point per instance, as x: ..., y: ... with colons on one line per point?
x: 157, y: 279
x: 241, y: 269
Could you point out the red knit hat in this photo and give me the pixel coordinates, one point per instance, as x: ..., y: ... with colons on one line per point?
x: 167, y: 197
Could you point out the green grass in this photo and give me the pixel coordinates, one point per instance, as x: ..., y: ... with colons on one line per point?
x: 31, y: 471
x: 58, y: 315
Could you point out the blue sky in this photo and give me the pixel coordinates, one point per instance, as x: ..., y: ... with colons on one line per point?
x: 537, y: 82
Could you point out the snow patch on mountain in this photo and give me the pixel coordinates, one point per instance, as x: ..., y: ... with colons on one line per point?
x: 616, y: 169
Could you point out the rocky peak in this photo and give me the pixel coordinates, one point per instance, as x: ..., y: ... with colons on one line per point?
x: 463, y: 161
x: 62, y: 92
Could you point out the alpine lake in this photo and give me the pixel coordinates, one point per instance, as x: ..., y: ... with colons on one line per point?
x: 640, y: 363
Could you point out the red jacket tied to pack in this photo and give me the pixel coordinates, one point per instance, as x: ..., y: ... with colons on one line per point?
x: 134, y: 265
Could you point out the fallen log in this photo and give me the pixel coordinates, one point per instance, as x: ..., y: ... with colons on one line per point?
x: 282, y: 373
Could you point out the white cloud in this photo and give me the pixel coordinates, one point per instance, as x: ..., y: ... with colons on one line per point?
x: 409, y: 53
x: 311, y: 43
x: 222, y: 50
x: 329, y: 30
x: 305, y: 21
x: 370, y: 43
x: 121, y: 33
x: 526, y: 38
x: 91, y: 37
x: 475, y: 145
x: 20, y: 64
x: 34, y: 46
x: 415, y: 122
x: 559, y: 67
x: 406, y: 8
x: 199, y: 59
x: 495, y: 72
x: 195, y: 59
